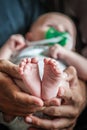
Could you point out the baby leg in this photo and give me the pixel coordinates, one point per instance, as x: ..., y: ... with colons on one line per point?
x: 51, y: 79
x: 29, y: 71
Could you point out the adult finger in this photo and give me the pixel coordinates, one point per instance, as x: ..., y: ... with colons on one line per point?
x: 18, y: 102
x: 9, y: 68
x: 76, y: 93
x: 58, y: 123
x: 61, y: 111
x: 53, y: 102
x: 17, y: 109
x: 71, y: 74
x: 70, y: 93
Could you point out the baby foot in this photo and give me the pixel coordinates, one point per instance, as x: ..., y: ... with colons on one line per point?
x: 51, y: 79
x: 29, y: 71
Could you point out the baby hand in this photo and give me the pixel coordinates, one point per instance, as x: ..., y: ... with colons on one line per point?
x: 57, y: 52
x: 16, y: 42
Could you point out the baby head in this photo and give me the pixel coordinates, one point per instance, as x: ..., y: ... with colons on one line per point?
x: 58, y: 21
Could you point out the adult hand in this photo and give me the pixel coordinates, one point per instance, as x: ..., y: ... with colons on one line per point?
x: 65, y: 116
x: 12, y: 100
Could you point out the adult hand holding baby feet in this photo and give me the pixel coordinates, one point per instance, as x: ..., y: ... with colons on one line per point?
x: 48, y: 87
x: 19, y: 103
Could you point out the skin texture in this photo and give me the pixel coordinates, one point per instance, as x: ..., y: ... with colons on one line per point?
x: 76, y: 100
x: 75, y: 97
x: 12, y: 96
x: 48, y: 87
x: 52, y: 79
x: 29, y: 71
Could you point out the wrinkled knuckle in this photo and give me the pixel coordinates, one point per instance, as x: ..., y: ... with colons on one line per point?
x: 15, y: 97
x: 54, y: 125
x: 75, y: 113
x: 37, y: 123
x: 72, y: 115
x: 52, y: 111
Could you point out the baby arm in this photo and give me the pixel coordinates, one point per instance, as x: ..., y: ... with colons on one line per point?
x: 14, y: 43
x: 70, y: 58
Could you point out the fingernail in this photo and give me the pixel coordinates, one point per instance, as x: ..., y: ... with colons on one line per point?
x: 43, y: 108
x: 65, y: 75
x: 39, y: 103
x: 61, y: 92
x: 28, y: 119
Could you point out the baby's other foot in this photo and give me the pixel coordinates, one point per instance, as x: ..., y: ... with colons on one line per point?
x: 29, y: 71
x: 51, y: 79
